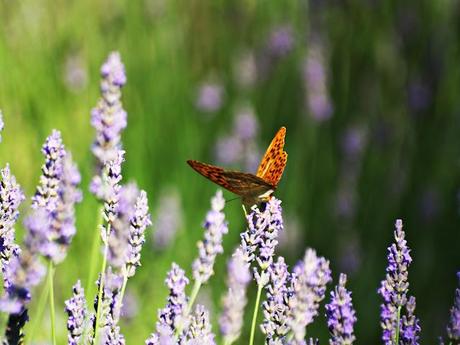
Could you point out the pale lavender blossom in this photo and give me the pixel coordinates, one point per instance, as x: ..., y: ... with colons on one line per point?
x: 275, y: 325
x: 240, y: 147
x: 210, y: 97
x: 119, y: 237
x: 76, y: 310
x: 234, y: 301
x: 172, y: 317
x: 395, y: 286
x: 308, y: 288
x: 51, y: 232
x: 340, y: 315
x: 111, y: 180
x: 139, y: 221
x: 47, y: 193
x: 199, y: 331
x: 319, y: 103
x: 245, y: 70
x: 281, y: 41
x: 108, y: 118
x: 270, y: 223
x: 215, y: 228
x: 75, y: 75
x: 130, y: 307
x: 453, y: 329
x: 11, y: 197
x: 409, y: 324
x: 168, y: 220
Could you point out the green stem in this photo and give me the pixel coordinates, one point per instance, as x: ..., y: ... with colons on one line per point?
x: 122, y: 293
x: 94, y: 253
x: 398, y: 317
x: 39, y: 312
x: 51, y: 290
x: 101, y: 288
x: 254, y: 315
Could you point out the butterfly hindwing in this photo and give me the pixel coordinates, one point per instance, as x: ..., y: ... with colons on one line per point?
x: 274, y: 160
x: 240, y: 183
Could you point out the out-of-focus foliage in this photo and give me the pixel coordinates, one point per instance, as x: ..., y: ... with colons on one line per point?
x: 368, y: 91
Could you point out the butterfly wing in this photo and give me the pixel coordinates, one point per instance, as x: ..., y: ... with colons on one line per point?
x: 240, y: 183
x: 274, y: 160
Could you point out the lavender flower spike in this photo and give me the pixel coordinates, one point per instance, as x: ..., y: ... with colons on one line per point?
x: 171, y: 317
x: 76, y: 310
x: 275, y: 325
x: 108, y: 117
x: 234, y: 301
x: 11, y: 197
x: 410, y: 327
x: 215, y: 227
x: 395, y: 287
x: 112, y: 177
x: 47, y: 193
x: 453, y: 330
x: 138, y: 224
x: 200, y: 332
x: 341, y: 315
x: 308, y: 288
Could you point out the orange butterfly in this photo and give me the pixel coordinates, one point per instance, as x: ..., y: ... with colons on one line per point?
x: 253, y: 189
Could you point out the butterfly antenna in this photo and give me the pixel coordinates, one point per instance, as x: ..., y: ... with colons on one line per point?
x: 226, y: 201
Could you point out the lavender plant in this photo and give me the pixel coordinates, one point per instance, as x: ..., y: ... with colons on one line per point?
x: 77, y: 312
x: 341, y: 315
x: 453, y: 328
x: 234, y: 301
x: 394, y: 291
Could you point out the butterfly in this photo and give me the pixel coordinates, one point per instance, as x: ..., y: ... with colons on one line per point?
x: 253, y: 189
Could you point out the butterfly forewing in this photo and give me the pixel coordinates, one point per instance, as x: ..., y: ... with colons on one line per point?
x: 274, y: 160
x: 240, y: 183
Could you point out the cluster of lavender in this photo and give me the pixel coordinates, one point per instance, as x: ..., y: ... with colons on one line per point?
x: 292, y: 297
x: 240, y: 146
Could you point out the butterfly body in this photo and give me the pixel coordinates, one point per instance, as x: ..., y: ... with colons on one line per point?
x: 253, y: 188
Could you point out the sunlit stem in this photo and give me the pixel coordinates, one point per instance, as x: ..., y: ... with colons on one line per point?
x: 101, y: 287
x: 96, y: 243
x: 397, y: 325
x: 51, y: 295
x: 254, y: 315
x: 40, y: 311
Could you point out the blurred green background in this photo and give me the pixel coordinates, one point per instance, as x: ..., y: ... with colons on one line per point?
x: 368, y: 91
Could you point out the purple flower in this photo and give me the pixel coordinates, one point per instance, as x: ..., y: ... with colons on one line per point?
x: 199, y: 331
x: 11, y: 197
x: 169, y: 219
x: 172, y: 316
x: 47, y: 193
x: 308, y: 289
x: 315, y: 78
x: 281, y: 41
x: 119, y: 236
x: 234, y: 301
x: 275, y: 307
x: 111, y: 178
x: 75, y: 75
x: 138, y: 223
x: 51, y: 229
x: 269, y: 223
x: 76, y: 310
x: 130, y: 307
x: 453, y: 330
x: 108, y: 118
x: 410, y: 327
x: 215, y: 228
x: 395, y: 287
x: 341, y: 315
x: 210, y: 97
